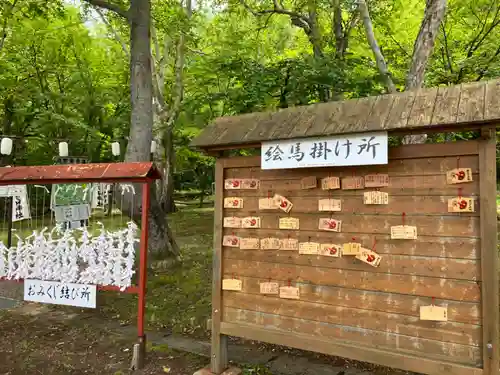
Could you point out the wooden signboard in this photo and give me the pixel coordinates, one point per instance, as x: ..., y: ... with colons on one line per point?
x: 362, y: 272
x: 459, y: 176
x: 231, y: 241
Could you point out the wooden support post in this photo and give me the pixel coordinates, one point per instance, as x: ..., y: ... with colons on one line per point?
x: 219, y: 342
x: 489, y: 252
x: 8, y: 208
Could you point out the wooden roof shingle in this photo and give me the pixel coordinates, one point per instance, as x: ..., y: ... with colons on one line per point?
x: 452, y: 107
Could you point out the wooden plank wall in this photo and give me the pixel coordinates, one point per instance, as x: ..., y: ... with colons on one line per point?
x: 344, y: 299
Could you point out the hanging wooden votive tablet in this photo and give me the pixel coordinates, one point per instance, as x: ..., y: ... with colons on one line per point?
x: 288, y: 223
x: 330, y: 183
x: 289, y: 292
x: 403, y: 232
x: 310, y: 182
x: 268, y: 204
x: 434, y: 313
x: 233, y: 202
x: 232, y: 184
x: 232, y: 284
x: 329, y: 224
x: 270, y: 243
x: 461, y: 204
x: 375, y: 197
x: 351, y: 248
x: 289, y: 244
x: 231, y: 241
x: 232, y: 222
x: 331, y: 205
x: 249, y: 243
x: 250, y: 222
x: 459, y: 176
x: 308, y: 248
x: 250, y: 184
x: 369, y: 257
x: 353, y: 183
x: 269, y: 288
x: 376, y: 180
x: 283, y: 203
x: 330, y: 250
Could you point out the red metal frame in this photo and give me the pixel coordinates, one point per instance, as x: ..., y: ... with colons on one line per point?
x: 139, y: 172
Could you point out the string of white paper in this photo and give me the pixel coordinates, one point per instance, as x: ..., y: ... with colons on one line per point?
x: 73, y: 256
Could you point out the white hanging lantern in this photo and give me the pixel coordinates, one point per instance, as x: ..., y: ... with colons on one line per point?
x: 6, y: 146
x: 115, y: 149
x: 153, y: 146
x: 63, y: 149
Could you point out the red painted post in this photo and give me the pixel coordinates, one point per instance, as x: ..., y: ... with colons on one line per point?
x: 143, y: 271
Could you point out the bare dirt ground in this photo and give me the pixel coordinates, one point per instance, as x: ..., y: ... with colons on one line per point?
x: 37, y: 345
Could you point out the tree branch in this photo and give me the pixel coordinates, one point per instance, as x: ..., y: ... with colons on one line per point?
x: 113, y: 31
x: 112, y: 7
x: 379, y: 57
x: 304, y: 21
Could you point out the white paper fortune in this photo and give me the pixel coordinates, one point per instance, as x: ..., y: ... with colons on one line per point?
x: 331, y: 205
x: 434, y: 313
x: 289, y: 244
x: 308, y: 248
x: 375, y: 197
x: 269, y: 288
x: 270, y: 243
x: 232, y: 184
x: 330, y: 183
x: 351, y: 149
x: 250, y: 222
x: 376, y: 180
x: 249, y: 243
x: 329, y: 224
x: 289, y: 223
x: 232, y: 284
x: 351, y: 248
x: 231, y: 241
x: 403, y: 232
x: 330, y: 250
x: 459, y: 176
x: 369, y: 257
x: 289, y: 292
x: 232, y: 222
x: 233, y: 202
x: 461, y: 204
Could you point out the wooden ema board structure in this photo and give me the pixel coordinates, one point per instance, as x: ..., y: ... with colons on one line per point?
x: 347, y: 299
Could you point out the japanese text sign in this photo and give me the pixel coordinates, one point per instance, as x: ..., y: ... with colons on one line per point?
x: 59, y: 293
x: 351, y: 149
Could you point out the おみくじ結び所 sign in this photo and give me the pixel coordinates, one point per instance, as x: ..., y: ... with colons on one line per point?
x: 350, y: 149
x: 60, y: 293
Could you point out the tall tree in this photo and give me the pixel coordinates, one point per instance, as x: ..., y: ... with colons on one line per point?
x: 138, y: 15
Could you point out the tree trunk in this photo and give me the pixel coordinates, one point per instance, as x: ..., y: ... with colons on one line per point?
x: 424, y: 44
x: 435, y: 11
x: 167, y: 196
x: 379, y: 57
x: 141, y: 123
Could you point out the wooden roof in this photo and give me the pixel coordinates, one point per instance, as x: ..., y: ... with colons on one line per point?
x: 99, y: 172
x: 450, y: 107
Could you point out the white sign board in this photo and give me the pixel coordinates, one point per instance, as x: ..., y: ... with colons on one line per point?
x: 58, y: 293
x: 349, y: 149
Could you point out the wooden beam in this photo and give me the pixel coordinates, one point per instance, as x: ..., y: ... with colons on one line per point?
x: 219, y: 342
x: 348, y: 350
x: 489, y: 252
